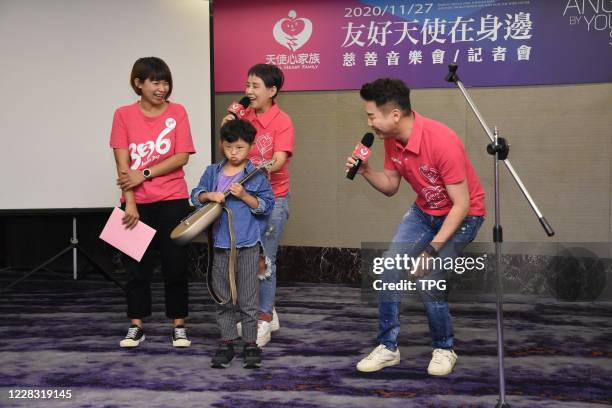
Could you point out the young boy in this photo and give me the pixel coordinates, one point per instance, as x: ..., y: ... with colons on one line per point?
x: 250, y: 206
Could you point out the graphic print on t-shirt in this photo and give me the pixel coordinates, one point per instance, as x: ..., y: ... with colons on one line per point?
x: 264, y: 143
x: 143, y: 153
x: 435, y: 196
x: 431, y: 174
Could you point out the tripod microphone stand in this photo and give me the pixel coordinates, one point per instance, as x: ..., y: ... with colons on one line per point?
x: 500, y: 149
x: 76, y: 249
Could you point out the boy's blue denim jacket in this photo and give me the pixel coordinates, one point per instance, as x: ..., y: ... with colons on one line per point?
x: 249, y: 224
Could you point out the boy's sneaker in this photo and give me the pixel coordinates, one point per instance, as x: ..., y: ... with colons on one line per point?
x: 179, y: 337
x: 442, y: 362
x: 251, y: 356
x: 133, y: 338
x: 378, y: 359
x: 274, y: 324
x: 264, y: 332
x: 223, y: 356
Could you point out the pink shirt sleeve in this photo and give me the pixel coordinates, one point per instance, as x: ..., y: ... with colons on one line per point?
x: 284, y: 138
x: 452, y: 164
x: 184, y: 141
x: 119, y: 134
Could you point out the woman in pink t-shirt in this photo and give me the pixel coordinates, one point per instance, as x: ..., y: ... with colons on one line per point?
x: 274, y: 139
x: 151, y: 141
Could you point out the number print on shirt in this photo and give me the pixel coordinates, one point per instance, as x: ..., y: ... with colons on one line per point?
x: 142, y: 154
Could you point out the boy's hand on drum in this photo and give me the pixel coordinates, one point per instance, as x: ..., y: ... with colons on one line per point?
x: 216, y: 197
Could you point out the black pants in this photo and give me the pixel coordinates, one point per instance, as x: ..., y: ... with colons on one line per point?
x: 163, y: 216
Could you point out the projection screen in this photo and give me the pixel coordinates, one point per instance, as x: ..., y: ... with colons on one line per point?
x: 65, y: 69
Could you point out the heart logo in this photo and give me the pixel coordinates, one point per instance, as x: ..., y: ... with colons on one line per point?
x: 435, y: 196
x: 430, y: 173
x: 264, y: 143
x: 292, y: 32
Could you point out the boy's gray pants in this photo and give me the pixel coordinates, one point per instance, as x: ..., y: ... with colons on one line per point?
x: 247, y: 287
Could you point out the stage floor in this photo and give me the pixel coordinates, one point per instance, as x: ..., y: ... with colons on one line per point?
x: 61, y: 334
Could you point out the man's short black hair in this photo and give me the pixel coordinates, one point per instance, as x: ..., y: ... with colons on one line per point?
x: 236, y: 129
x: 271, y: 75
x: 387, y: 90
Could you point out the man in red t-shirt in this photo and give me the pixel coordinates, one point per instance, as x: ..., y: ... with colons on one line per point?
x: 448, y: 211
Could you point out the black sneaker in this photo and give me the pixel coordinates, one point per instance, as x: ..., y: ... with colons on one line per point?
x: 223, y: 356
x: 133, y: 338
x: 179, y: 337
x: 251, y: 356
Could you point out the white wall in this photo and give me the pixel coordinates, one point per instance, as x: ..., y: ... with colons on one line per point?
x: 65, y: 67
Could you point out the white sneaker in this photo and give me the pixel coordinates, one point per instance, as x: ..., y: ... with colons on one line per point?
x: 274, y: 324
x: 442, y: 362
x: 133, y: 338
x: 378, y: 359
x: 179, y: 337
x: 263, y: 333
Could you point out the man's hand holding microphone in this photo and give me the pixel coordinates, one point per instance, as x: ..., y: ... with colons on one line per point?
x: 358, y: 161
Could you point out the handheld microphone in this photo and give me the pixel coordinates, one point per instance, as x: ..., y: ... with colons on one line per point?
x: 361, y: 153
x: 238, y: 109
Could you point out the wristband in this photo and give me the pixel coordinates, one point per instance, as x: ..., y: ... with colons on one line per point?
x: 431, y: 251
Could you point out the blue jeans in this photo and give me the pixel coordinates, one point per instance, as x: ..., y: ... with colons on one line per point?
x: 271, y: 239
x: 414, y: 233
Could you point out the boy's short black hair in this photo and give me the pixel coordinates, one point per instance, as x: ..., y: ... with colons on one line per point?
x: 271, y: 75
x: 153, y: 69
x: 387, y: 90
x: 236, y: 129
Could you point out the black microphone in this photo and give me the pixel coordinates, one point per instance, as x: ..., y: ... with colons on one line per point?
x: 238, y: 109
x: 366, y: 143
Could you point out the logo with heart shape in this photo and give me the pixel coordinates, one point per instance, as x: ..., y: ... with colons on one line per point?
x: 430, y: 173
x: 435, y: 196
x: 292, y: 32
x: 264, y: 143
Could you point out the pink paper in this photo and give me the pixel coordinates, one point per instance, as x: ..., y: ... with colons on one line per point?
x: 133, y: 242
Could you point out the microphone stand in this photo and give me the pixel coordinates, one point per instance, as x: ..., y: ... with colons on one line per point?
x: 499, y: 149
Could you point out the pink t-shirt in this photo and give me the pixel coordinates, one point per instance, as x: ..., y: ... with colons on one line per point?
x: 434, y: 157
x: 274, y: 134
x: 150, y: 141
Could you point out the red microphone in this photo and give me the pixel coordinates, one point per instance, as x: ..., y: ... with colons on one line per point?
x: 238, y: 109
x: 361, y: 153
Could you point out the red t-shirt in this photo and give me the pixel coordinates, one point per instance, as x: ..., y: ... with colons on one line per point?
x: 274, y: 134
x: 434, y: 157
x: 150, y: 141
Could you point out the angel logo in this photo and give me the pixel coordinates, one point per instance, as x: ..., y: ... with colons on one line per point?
x: 238, y: 109
x: 292, y: 32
